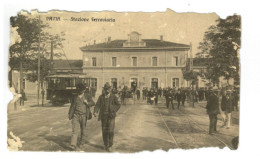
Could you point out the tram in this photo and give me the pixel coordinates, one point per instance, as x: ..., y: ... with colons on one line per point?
x: 61, y: 87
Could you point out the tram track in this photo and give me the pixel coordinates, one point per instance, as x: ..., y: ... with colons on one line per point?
x: 206, y: 131
x: 195, y: 123
x: 169, y: 130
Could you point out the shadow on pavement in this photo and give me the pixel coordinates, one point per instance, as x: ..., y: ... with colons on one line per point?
x: 95, y: 145
x: 62, y: 140
x: 145, y: 143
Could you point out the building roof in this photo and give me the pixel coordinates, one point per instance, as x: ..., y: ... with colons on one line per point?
x: 118, y: 44
x: 67, y: 64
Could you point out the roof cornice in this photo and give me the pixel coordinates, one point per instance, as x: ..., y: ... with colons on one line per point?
x: 134, y: 49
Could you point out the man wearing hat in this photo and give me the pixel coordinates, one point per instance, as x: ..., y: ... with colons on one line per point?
x: 228, y: 108
x: 107, y: 105
x: 213, y: 110
x: 178, y: 97
x: 79, y: 113
x: 169, y: 98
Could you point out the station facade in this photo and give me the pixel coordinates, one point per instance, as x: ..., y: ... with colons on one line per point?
x: 148, y: 63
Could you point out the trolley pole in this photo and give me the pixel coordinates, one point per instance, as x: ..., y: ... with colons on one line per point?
x: 39, y: 64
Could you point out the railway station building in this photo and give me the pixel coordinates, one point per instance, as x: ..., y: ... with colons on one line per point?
x: 143, y: 62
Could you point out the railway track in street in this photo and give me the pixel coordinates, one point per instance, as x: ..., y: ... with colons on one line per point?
x: 195, y: 123
x: 206, y: 131
x: 169, y: 130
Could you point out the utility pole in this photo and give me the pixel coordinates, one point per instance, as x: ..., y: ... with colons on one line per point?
x: 191, y: 57
x: 165, y: 59
x: 39, y: 63
x: 191, y: 69
x: 51, y: 55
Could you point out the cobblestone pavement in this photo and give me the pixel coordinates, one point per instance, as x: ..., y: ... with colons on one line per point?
x: 138, y: 127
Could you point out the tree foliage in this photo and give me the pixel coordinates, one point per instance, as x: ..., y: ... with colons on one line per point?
x: 190, y: 75
x: 221, y: 45
x: 45, y: 67
x: 26, y: 51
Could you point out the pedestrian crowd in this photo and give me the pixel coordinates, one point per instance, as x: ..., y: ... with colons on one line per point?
x: 222, y: 102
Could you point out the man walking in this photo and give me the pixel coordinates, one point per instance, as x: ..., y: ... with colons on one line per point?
x: 183, y: 97
x: 227, y: 107
x: 156, y: 95
x: 138, y: 93
x: 79, y: 113
x: 107, y: 105
x: 170, y: 96
x: 22, y: 98
x: 43, y: 93
x: 213, y: 110
x: 178, y: 97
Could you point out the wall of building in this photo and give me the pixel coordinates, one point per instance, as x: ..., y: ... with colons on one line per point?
x: 30, y: 87
x: 165, y: 70
x: 144, y: 59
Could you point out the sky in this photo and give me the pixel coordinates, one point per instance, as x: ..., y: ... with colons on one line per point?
x: 175, y: 27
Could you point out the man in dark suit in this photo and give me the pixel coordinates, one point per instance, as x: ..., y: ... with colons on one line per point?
x: 213, y: 110
x: 183, y: 96
x: 169, y: 98
x: 79, y: 113
x: 107, y: 105
x: 227, y: 107
x: 178, y: 97
x: 138, y: 93
x: 156, y: 94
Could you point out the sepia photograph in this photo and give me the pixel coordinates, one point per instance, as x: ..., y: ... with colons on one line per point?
x: 123, y: 81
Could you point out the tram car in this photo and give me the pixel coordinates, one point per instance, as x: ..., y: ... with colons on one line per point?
x: 61, y: 87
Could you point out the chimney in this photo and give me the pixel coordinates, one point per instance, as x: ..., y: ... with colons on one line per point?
x: 109, y: 39
x: 161, y: 37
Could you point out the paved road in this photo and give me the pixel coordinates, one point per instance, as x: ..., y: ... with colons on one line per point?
x: 138, y: 127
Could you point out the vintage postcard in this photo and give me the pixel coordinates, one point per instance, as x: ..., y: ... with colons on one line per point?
x: 123, y: 81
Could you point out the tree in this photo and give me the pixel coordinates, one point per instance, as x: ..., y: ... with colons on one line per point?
x: 191, y: 76
x: 25, y: 52
x: 221, y: 45
x: 45, y: 67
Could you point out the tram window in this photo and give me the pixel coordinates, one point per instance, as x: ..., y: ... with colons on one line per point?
x: 67, y: 82
x: 51, y: 82
x: 73, y: 82
x: 85, y: 81
x: 57, y: 81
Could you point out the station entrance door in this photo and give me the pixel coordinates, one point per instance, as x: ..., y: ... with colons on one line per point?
x: 154, y: 83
